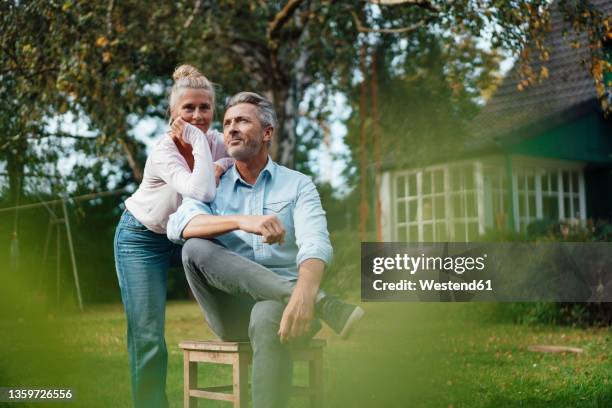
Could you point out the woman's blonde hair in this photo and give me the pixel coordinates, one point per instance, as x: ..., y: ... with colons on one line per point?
x: 187, y: 76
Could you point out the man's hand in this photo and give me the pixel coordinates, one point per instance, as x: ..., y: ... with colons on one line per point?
x: 298, y: 315
x: 268, y: 226
x: 299, y: 312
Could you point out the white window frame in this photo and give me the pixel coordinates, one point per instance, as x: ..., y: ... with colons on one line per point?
x: 520, y: 166
x: 449, y: 219
x: 558, y: 167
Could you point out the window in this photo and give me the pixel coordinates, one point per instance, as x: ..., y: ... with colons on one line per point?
x: 433, y: 203
x: 406, y: 207
x: 554, y: 194
x: 527, y: 196
x: 571, y: 196
x: 495, y: 197
x: 462, y: 196
x: 456, y: 202
x: 437, y: 204
x: 550, y: 195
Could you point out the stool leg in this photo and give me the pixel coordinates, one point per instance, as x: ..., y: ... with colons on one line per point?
x: 241, y: 381
x: 316, y: 380
x: 190, y: 381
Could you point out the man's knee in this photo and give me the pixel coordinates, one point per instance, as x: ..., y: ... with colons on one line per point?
x: 196, y: 251
x: 265, y: 321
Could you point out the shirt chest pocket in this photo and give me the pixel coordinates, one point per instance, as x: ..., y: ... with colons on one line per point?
x: 277, y: 207
x: 282, y: 209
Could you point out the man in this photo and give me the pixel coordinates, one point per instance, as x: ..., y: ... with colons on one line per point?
x: 255, y: 256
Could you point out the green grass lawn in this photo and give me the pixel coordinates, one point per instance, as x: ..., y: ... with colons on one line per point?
x: 412, y: 354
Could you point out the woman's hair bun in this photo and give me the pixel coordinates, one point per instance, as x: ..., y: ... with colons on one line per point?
x: 185, y: 71
x: 188, y: 77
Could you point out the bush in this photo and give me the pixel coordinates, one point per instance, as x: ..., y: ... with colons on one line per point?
x: 563, y: 313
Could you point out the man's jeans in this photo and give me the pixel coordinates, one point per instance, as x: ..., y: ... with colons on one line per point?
x: 244, y: 301
x: 142, y: 259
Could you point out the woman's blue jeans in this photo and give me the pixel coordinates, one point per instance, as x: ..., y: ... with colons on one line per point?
x: 142, y: 259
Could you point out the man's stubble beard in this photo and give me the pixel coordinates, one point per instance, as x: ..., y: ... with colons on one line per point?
x: 246, y: 151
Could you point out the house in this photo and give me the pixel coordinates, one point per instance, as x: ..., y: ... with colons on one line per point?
x: 541, y: 153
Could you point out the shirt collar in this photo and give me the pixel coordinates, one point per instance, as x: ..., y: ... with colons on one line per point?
x: 269, y: 169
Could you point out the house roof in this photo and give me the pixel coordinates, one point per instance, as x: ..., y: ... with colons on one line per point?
x: 568, y: 90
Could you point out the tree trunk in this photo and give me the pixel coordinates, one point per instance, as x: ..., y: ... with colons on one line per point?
x: 364, y: 208
x: 15, y: 173
x: 290, y: 84
x: 376, y: 134
x: 283, y: 145
x: 131, y: 151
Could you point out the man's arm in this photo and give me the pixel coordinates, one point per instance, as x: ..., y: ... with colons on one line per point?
x: 210, y: 226
x: 311, y: 235
x: 314, y: 253
x: 187, y: 211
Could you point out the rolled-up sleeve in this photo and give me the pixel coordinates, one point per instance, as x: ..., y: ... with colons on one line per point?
x: 312, y: 237
x: 185, y: 213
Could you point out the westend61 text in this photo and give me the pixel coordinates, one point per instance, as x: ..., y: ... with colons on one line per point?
x: 430, y: 284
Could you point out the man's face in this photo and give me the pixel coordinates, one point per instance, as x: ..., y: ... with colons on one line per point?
x: 243, y: 134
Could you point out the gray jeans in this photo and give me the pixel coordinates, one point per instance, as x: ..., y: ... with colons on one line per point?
x: 244, y: 301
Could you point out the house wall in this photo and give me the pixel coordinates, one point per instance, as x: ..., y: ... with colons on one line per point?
x: 384, y: 183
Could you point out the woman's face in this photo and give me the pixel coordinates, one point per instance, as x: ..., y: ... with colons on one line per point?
x: 194, y: 106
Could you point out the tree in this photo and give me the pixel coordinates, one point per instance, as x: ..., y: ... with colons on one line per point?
x: 110, y: 62
x: 79, y: 58
x: 284, y: 48
x: 424, y: 105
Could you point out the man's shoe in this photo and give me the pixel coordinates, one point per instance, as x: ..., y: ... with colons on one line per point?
x: 340, y: 316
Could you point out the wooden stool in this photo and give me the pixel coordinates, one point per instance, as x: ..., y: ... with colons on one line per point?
x: 240, y: 355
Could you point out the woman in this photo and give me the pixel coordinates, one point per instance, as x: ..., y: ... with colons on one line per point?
x: 181, y: 164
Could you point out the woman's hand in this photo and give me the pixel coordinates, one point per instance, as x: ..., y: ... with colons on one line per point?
x: 218, y: 173
x: 177, y: 127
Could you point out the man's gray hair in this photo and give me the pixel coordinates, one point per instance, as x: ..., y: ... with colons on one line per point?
x: 265, y: 110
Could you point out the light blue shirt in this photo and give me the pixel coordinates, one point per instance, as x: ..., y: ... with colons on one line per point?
x: 289, y: 195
